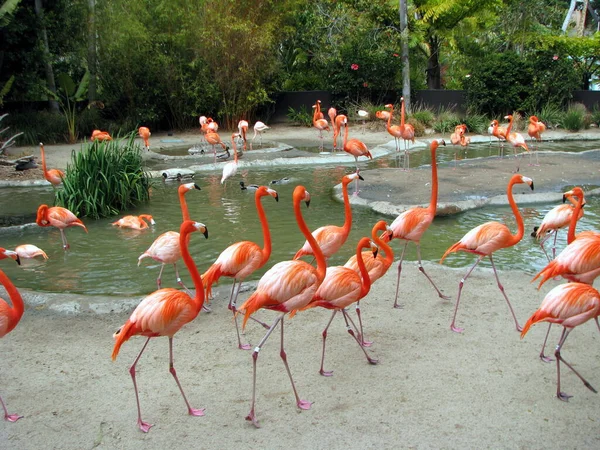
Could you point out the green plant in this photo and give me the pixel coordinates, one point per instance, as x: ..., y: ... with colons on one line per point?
x: 575, y: 117
x: 6, y: 141
x: 38, y: 126
x: 550, y: 115
x: 595, y: 115
x: 476, y: 123
x: 418, y: 126
x: 445, y: 121
x: 423, y: 115
x: 301, y: 117
x: 67, y: 96
x: 105, y: 178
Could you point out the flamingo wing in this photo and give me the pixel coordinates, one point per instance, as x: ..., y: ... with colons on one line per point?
x: 411, y: 224
x: 340, y: 288
x: 164, y: 249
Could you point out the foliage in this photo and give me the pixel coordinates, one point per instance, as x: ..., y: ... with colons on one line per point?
x: 446, y: 121
x: 418, y: 126
x: 476, y: 123
x: 576, y: 118
x: 68, y: 95
x: 423, y: 115
x: 302, y: 116
x: 595, y: 115
x: 39, y: 126
x: 105, y: 178
x: 550, y: 115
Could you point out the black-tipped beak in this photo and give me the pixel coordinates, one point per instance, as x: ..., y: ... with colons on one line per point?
x: 361, y: 178
x: 276, y: 197
x: 531, y: 186
x: 443, y: 142
x: 375, y: 253
x: 197, y: 187
x: 18, y: 260
x: 307, y: 203
x: 564, y: 198
x: 390, y: 235
x: 205, y: 233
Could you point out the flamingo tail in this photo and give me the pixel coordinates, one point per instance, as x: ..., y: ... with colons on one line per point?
x: 121, y: 336
x: 552, y: 270
x: 456, y: 247
x: 538, y: 316
x: 210, y: 277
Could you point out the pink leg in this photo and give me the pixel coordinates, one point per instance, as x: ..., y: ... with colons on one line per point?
x: 396, y: 305
x: 302, y: 404
x: 9, y: 417
x: 64, y: 239
x: 460, y: 286
x: 369, y: 359
x: 542, y: 356
x: 158, y: 280
x: 144, y: 426
x: 422, y: 269
x: 562, y: 395
x: 356, y: 191
x: 191, y: 411
x: 519, y: 329
x: 554, y: 244
x: 543, y: 241
x: 324, y: 334
x: 233, y: 309
x: 361, y: 335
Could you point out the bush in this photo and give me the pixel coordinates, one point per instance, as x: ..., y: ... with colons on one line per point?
x: 446, y: 121
x: 595, y: 116
x: 423, y: 115
x: 418, y: 126
x: 550, y: 115
x: 37, y: 127
x: 476, y: 123
x: 302, y: 117
x: 104, y: 179
x: 576, y: 118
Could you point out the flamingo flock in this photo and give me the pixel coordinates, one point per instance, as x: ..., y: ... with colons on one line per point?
x: 294, y: 286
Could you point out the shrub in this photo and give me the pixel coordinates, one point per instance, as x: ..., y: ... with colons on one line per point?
x: 418, y: 126
x: 38, y: 127
x: 446, y: 121
x: 476, y: 123
x: 550, y: 115
x: 423, y: 115
x: 104, y: 179
x: 302, y: 117
x: 595, y: 115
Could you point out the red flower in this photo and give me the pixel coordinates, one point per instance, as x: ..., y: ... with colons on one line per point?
x: 396, y: 55
x: 555, y: 57
x: 365, y: 84
x: 354, y: 66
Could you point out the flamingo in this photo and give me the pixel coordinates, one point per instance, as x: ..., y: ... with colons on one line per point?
x: 98, y: 135
x: 242, y: 259
x: 53, y: 176
x: 364, y: 115
x: 516, y: 139
x: 286, y: 286
x: 394, y: 130
x: 134, y: 222
x: 60, y: 218
x: 330, y: 238
x: 569, y: 305
x: 243, y: 131
x: 337, y: 125
x: 341, y: 288
x: 230, y: 169
x: 414, y: 222
x: 332, y: 112
x: 165, y: 249
x: 535, y: 128
x: 459, y: 138
x: 355, y: 148
x: 319, y: 122
x: 495, y: 130
x: 211, y: 126
x: 144, y: 133
x: 486, y: 239
x: 9, y: 316
x: 30, y: 251
x: 259, y: 128
x: 213, y: 139
x: 376, y: 266
x: 383, y: 115
x: 408, y: 134
x: 163, y: 313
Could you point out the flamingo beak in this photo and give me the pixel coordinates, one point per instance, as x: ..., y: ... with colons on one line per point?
x: 361, y: 178
x: 276, y: 196
x: 197, y: 187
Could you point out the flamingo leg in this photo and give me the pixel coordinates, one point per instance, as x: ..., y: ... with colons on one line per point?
x: 544, y: 248
x: 324, y: 334
x: 233, y: 309
x: 396, y: 305
x: 144, y: 426
x: 542, y: 356
x: 361, y: 333
x: 302, y: 404
x: 179, y: 281
x: 562, y: 395
x: 554, y: 245
x: 369, y: 359
x: 158, y: 280
x: 460, y: 286
x: 356, y: 191
x: 519, y: 329
x: 9, y: 417
x: 191, y: 411
x: 422, y: 269
x: 64, y: 239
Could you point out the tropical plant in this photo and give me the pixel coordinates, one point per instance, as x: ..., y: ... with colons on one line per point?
x: 476, y: 123
x: 68, y: 95
x: 105, y: 178
x: 576, y: 117
x: 423, y: 114
x: 301, y: 117
x: 446, y: 121
x: 550, y: 115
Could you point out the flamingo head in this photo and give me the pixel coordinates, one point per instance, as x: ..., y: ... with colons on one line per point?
x: 189, y: 226
x: 374, y: 248
x: 389, y: 105
x: 9, y: 254
x: 524, y: 180
x: 575, y: 192
x: 351, y: 177
x: 509, y: 117
x: 301, y: 195
x: 42, y: 214
x: 188, y: 187
x: 273, y: 193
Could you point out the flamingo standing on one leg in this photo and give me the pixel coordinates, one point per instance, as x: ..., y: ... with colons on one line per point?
x: 569, y: 305
x: 135, y: 222
x: 60, y: 218
x: 9, y: 315
x: 340, y: 119
x: 330, y: 238
x: 408, y: 134
x: 355, y: 148
x: 166, y: 249
x: 516, y: 140
x: 286, y: 286
x: 213, y: 139
x: 341, y: 287
x: 364, y: 115
x: 230, y: 169
x: 486, y: 239
x: 242, y: 259
x: 163, y: 313
x: 413, y: 223
x: 535, y: 130
x: 500, y: 133
x: 319, y: 122
x: 144, y: 133
x: 243, y: 131
x: 394, y: 130
x: 53, y: 176
x: 259, y: 128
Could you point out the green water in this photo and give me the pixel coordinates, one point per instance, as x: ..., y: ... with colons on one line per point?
x: 104, y: 261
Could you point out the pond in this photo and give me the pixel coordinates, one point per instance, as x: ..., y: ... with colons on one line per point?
x: 104, y: 261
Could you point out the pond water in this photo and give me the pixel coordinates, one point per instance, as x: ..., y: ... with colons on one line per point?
x: 104, y: 261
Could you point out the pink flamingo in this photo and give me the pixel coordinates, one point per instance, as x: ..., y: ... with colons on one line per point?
x: 259, y: 128
x: 330, y: 238
x: 394, y: 130
x: 165, y: 249
x: 98, y: 135
x: 486, y: 239
x: 569, y: 305
x: 286, y: 286
x: 60, y: 218
x: 408, y: 134
x: 318, y: 122
x: 355, y: 148
x: 30, y: 251
x: 243, y: 131
x: 459, y: 138
x: 500, y: 133
x: 163, y: 313
x: 414, y: 222
x: 135, y: 222
x: 230, y: 168
x: 340, y: 119
x: 144, y: 133
x: 341, y: 288
x: 516, y: 140
x: 213, y: 139
x: 242, y: 259
x: 53, y: 176
x: 535, y: 128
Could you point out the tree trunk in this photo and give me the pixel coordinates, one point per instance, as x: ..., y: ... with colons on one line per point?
x: 39, y: 11
x: 403, y: 10
x: 434, y: 76
x: 92, y: 51
x: 569, y: 14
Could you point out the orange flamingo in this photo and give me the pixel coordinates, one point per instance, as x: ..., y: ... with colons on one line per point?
x: 535, y: 128
x: 165, y: 249
x: 408, y: 134
x: 163, y: 313
x: 211, y: 126
x: 330, y: 238
x: 383, y: 115
x: 569, y: 305
x: 144, y: 133
x: 414, y: 222
x: 60, y: 218
x: 98, y: 135
x: 459, y: 138
x: 4, y: 253
x: 242, y: 259
x: 213, y: 139
x: 319, y: 122
x: 500, y: 133
x: 516, y: 139
x: 376, y: 266
x: 332, y: 112
x: 286, y: 286
x: 341, y: 288
x: 243, y: 131
x: 259, y: 128
x: 337, y: 126
x: 53, y: 176
x: 486, y: 239
x: 9, y: 316
x: 355, y: 148
x: 30, y: 251
x: 394, y: 130
x: 135, y: 222
x: 230, y: 168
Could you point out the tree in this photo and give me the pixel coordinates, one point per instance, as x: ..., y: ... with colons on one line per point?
x: 39, y: 11
x: 403, y: 11
x: 91, y: 53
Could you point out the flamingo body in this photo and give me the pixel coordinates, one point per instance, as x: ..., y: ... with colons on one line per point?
x: 134, y: 222
x: 144, y: 133
x: 58, y: 217
x: 30, y: 251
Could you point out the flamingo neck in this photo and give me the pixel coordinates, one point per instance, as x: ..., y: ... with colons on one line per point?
x: 266, y: 250
x: 321, y: 264
x: 574, y: 219
x: 389, y: 253
x: 345, y: 136
x: 234, y: 149
x: 16, y: 312
x: 520, y: 226
x: 43, y: 154
x: 347, y: 209
x: 191, y: 266
x: 364, y: 273
x: 184, y: 207
x: 402, y: 115
x: 434, y: 183
x: 389, y: 122
x: 510, y: 124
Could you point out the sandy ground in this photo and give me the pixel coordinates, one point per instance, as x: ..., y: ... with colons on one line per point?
x: 432, y: 388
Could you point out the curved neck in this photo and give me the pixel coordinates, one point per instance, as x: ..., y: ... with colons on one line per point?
x: 266, y: 250
x: 234, y: 149
x: 510, y: 124
x: 184, y: 207
x: 43, y: 154
x: 191, y: 266
x: 520, y: 226
x: 434, y: 183
x: 574, y: 219
x: 345, y: 135
x: 347, y: 209
x: 364, y: 273
x: 402, y: 114
x: 389, y: 253
x: 16, y: 312
x: 321, y: 264
x: 389, y: 122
